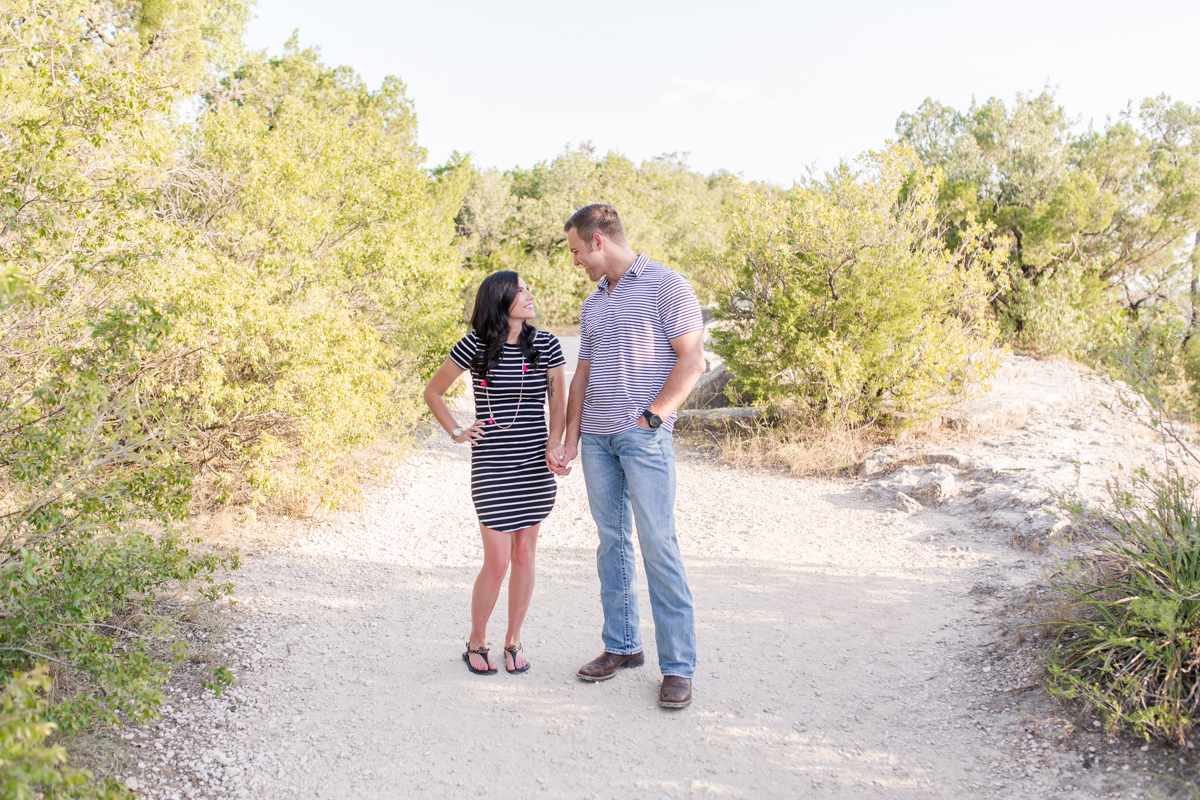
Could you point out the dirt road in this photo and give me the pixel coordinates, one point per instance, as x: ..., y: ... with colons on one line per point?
x: 842, y: 655
x: 850, y: 644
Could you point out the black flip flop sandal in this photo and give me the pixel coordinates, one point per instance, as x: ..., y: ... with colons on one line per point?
x: 482, y: 651
x: 513, y: 649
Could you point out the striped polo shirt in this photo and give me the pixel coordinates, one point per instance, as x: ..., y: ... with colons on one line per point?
x: 625, y: 333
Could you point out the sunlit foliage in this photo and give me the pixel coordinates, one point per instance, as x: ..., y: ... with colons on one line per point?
x: 219, y: 274
x: 839, y: 301
x: 514, y: 219
x: 1097, y: 223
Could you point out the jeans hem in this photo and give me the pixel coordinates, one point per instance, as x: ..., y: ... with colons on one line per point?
x: 630, y: 653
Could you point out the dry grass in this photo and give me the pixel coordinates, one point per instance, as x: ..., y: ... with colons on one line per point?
x: 807, y: 447
x: 250, y: 528
x: 103, y: 752
x: 801, y: 447
x: 339, y: 486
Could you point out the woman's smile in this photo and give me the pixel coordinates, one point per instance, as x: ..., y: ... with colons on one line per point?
x: 522, y: 305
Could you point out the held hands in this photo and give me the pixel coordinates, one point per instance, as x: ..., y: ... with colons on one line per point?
x: 472, y: 434
x: 559, y: 458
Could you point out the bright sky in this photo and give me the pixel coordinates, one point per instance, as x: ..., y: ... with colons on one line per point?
x: 762, y: 88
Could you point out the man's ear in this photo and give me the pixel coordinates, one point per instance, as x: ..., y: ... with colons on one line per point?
x: 597, y: 241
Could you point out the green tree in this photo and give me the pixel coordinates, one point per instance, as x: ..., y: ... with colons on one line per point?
x: 1094, y: 222
x: 91, y: 483
x: 246, y: 296
x: 838, y: 300
x: 321, y: 286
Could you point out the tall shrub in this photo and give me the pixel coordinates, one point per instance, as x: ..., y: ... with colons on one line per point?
x: 838, y: 299
x: 91, y: 481
x: 319, y: 288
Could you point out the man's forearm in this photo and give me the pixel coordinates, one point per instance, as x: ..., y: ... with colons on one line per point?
x: 679, y: 385
x: 575, y: 406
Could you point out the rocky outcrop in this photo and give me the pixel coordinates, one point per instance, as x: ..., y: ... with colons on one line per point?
x: 1022, y: 387
x: 1045, y: 432
x: 710, y: 389
x: 709, y: 405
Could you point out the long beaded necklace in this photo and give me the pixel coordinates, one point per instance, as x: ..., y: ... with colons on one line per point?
x: 520, y: 396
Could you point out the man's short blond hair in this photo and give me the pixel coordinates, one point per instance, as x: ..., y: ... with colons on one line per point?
x: 596, y: 218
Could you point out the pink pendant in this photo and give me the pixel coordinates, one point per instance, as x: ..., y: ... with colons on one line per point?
x: 483, y: 383
x: 492, y: 421
x: 524, y: 368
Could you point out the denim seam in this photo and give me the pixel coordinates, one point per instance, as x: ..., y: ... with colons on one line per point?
x: 624, y: 567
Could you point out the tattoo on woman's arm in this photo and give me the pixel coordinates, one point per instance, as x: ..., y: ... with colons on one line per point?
x: 550, y: 386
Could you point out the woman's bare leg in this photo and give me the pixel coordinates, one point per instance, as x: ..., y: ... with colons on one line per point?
x: 520, y: 587
x: 496, y: 548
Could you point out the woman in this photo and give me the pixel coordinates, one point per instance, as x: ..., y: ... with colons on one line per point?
x: 514, y: 369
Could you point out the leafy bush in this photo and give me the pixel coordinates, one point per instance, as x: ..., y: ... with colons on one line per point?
x: 319, y: 288
x: 86, y: 466
x: 180, y: 300
x: 839, y: 301
x: 1157, y: 352
x: 90, y: 478
x: 1066, y: 313
x: 30, y: 768
x: 291, y: 234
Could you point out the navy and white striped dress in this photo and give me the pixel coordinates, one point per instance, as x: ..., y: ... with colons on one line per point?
x: 511, y: 486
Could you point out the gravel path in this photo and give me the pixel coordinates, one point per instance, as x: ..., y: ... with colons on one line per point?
x: 847, y: 649
x: 840, y: 656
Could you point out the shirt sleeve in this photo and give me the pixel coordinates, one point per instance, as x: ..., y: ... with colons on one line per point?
x: 552, y: 352
x: 678, y: 308
x: 464, y: 352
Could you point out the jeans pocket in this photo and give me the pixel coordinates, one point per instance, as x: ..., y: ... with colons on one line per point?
x: 646, y: 434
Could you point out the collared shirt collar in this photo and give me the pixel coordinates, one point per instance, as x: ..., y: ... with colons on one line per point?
x: 635, y: 269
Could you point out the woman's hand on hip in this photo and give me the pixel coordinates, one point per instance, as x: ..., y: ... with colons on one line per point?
x: 472, y: 434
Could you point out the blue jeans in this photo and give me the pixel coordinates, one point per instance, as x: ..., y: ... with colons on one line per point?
x: 631, y: 476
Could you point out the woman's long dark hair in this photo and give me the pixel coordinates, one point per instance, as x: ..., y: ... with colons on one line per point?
x: 489, y: 318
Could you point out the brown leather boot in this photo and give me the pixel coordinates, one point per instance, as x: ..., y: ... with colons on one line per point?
x: 676, y: 692
x: 606, y: 665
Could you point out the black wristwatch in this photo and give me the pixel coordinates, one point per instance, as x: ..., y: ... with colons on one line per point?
x: 654, y: 420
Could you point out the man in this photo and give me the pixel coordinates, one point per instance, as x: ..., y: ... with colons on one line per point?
x: 640, y: 354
